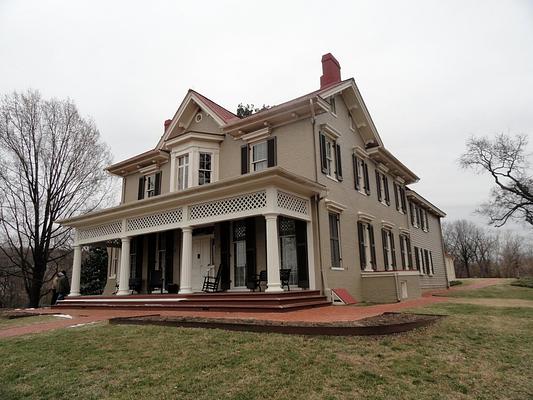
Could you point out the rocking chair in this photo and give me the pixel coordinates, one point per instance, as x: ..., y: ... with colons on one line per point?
x: 211, y: 283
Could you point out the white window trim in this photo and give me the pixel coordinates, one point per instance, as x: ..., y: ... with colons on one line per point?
x: 367, y: 245
x: 147, y: 190
x: 188, y: 169
x: 251, y: 156
x: 211, y: 158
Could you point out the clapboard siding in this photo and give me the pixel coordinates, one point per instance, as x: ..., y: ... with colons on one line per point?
x: 432, y: 241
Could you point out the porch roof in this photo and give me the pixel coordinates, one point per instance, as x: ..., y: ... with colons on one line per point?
x: 275, y: 176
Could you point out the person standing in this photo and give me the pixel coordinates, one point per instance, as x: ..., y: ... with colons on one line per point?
x: 63, y: 287
x: 54, y: 289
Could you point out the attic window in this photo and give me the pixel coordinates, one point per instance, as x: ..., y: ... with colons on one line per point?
x: 198, y: 117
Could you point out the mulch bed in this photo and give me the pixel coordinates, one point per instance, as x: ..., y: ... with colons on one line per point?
x: 384, y: 324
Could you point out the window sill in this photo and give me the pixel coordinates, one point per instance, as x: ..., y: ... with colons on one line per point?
x: 337, y: 268
x: 332, y: 178
x: 363, y: 192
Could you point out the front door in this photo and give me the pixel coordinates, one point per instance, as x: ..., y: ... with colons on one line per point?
x: 202, y: 262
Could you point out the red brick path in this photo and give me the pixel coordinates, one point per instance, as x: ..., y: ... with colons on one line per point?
x: 322, y: 314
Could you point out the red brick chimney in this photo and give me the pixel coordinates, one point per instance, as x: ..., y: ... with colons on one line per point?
x: 331, y: 71
x: 167, y: 123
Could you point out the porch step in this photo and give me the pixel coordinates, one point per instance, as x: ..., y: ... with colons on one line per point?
x: 246, y: 302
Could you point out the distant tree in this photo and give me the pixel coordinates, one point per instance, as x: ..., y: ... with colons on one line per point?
x: 94, y: 271
x: 504, y: 158
x: 51, y: 167
x: 459, y: 240
x: 249, y: 109
x: 512, y: 255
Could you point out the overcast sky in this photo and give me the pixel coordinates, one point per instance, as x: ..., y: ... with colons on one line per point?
x: 432, y: 73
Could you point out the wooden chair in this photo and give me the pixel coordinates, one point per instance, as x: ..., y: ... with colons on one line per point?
x: 156, y: 281
x: 261, y: 277
x: 284, y: 276
x: 211, y: 283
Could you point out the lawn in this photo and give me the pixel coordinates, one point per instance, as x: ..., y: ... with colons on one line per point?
x: 475, y: 352
x: 6, y: 323
x: 501, y: 291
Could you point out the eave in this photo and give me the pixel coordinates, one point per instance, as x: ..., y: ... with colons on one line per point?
x: 395, y: 166
x: 412, y: 195
x: 139, y: 161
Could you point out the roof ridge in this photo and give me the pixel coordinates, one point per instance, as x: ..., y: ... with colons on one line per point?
x: 220, y: 111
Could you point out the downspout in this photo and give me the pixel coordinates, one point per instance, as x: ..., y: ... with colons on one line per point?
x: 317, y: 197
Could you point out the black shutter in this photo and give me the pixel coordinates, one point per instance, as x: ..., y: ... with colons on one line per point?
x: 323, y: 160
x: 427, y: 221
x: 338, y: 162
x: 412, y: 212
x: 356, y: 172
x: 225, y: 242
x: 378, y: 184
x: 426, y: 258
x: 140, y: 194
x: 396, y: 187
x: 417, y: 259
x: 402, y: 250
x: 372, y: 247
x: 409, y: 254
x: 384, y: 243
x: 301, y: 254
x: 362, y: 254
x: 367, y: 181
x: 431, y: 261
x: 139, y: 256
x: 169, y: 258
x: 157, y: 187
x: 244, y: 159
x: 392, y: 250
x: 404, y: 201
x: 272, y: 151
x: 387, y: 194
x: 250, y: 252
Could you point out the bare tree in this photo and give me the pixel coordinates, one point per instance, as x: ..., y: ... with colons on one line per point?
x: 459, y: 241
x: 512, y: 255
x: 504, y: 158
x: 51, y: 167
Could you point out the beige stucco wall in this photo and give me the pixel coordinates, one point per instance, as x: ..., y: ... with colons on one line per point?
x: 388, y: 288
x: 431, y: 240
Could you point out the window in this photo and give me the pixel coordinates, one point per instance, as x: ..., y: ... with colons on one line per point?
x: 259, y: 156
x: 133, y: 258
x: 161, y: 252
x: 367, y: 249
x: 204, y: 169
x: 389, y: 252
x: 405, y: 249
x: 333, y: 105
x: 183, y: 172
x: 330, y: 156
x: 382, y: 183
x: 113, y: 267
x: 361, y: 180
x: 432, y: 270
x: 150, y: 186
x: 399, y: 198
x: 334, y: 235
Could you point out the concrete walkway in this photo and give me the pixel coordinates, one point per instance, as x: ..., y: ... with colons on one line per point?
x: 321, y: 314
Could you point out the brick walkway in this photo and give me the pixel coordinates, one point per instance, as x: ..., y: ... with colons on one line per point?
x: 322, y: 314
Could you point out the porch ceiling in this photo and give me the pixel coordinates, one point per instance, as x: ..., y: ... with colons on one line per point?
x: 276, y: 177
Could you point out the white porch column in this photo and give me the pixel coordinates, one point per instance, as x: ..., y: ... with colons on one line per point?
x: 272, y: 244
x: 76, y: 272
x: 124, y: 279
x: 172, y: 172
x: 186, y: 260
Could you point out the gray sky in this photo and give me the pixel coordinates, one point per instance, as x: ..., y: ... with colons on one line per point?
x: 432, y: 73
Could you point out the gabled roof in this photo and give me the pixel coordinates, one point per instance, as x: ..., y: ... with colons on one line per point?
x: 220, y: 111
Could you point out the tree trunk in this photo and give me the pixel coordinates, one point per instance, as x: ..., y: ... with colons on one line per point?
x: 34, y: 290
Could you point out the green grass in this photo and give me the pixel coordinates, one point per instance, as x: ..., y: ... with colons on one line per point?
x: 6, y: 323
x: 474, y: 353
x: 523, y: 282
x: 500, y: 291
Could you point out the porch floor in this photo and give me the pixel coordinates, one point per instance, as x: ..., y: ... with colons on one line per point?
x: 223, y: 301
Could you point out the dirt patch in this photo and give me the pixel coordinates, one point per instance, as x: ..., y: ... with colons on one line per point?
x: 383, y: 324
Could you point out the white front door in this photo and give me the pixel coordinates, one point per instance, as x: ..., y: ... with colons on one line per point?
x: 201, y: 261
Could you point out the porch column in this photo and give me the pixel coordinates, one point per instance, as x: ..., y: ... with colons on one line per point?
x: 124, y: 279
x: 186, y: 260
x: 311, y: 256
x: 76, y: 272
x: 272, y: 245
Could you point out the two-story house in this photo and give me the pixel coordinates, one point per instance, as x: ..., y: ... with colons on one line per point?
x: 306, y: 185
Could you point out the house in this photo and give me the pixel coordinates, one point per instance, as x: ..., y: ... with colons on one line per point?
x: 306, y: 186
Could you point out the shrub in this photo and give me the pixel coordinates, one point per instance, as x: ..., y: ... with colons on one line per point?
x: 455, y: 283
x: 523, y: 282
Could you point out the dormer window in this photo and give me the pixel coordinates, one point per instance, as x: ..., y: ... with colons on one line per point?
x: 204, y: 169
x: 333, y: 105
x: 259, y: 156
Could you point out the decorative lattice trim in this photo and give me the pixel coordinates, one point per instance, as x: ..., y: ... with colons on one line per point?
x: 292, y: 203
x: 153, y: 220
x: 230, y: 205
x: 112, y: 228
